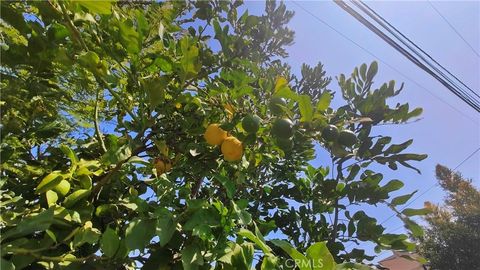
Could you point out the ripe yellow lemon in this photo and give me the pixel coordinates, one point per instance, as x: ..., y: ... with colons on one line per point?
x: 214, y: 135
x: 232, y: 149
x: 162, y: 166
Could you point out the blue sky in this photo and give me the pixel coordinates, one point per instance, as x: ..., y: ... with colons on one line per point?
x: 449, y: 130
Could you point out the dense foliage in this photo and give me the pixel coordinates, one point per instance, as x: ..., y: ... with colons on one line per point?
x: 452, y: 239
x: 104, y: 160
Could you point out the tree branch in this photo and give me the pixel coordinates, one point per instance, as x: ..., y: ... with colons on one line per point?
x: 98, y: 132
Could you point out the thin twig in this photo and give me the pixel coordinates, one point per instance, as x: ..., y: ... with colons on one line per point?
x: 98, y: 132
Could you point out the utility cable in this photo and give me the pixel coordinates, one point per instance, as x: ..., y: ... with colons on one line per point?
x: 453, y: 28
x: 380, y: 20
x: 384, y: 62
x: 458, y: 92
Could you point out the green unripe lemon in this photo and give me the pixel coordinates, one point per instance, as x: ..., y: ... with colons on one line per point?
x: 251, y: 123
x: 62, y: 188
x: 285, y: 144
x: 330, y: 133
x: 282, y: 128
x: 276, y: 105
x: 347, y: 138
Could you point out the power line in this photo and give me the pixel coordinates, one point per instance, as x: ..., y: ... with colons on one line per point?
x: 383, y: 61
x: 466, y: 159
x: 453, y: 28
x: 447, y: 82
x: 362, y: 5
x: 430, y: 188
x: 463, y: 94
x: 433, y: 186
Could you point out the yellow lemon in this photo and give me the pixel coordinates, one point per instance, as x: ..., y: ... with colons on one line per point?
x: 232, y: 149
x: 162, y: 166
x: 214, y: 135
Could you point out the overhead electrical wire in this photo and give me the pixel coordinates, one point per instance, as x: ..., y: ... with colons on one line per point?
x: 407, y: 42
x: 453, y: 28
x: 467, y: 95
x: 432, y: 186
x: 394, y: 31
x: 383, y: 61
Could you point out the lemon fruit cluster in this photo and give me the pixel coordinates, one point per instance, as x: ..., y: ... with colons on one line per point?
x: 345, y: 137
x: 214, y: 135
x: 231, y: 147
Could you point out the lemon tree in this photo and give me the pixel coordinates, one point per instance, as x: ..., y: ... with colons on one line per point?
x: 173, y: 135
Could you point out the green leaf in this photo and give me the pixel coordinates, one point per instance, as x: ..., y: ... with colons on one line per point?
x: 129, y: 38
x: 269, y: 262
x: 166, y: 226
x: 305, y: 106
x: 286, y: 93
x: 6, y: 265
x: 156, y: 91
x: 240, y: 256
x: 189, y: 62
x: 372, y: 70
x: 52, y: 197
x: 30, y: 224
x: 393, y: 185
x: 85, y: 181
x: 302, y: 262
x: 6, y: 151
x: 402, y: 199
x: 397, y: 148
x: 320, y: 257
x: 280, y: 84
x: 202, y: 216
x: 351, y: 227
x: 405, y: 157
x: 191, y: 257
x: 248, y: 250
x: 86, y: 235
x: 416, y: 212
x: 116, y: 152
x: 249, y: 235
x: 410, y: 166
x: 363, y: 71
x: 324, y: 101
x: 159, y: 259
x: 139, y: 232
x: 49, y: 182
x: 89, y: 60
x: 76, y: 196
x: 98, y: 7
x: 110, y: 242
x: 415, y: 113
x: 245, y: 218
x: 417, y: 230
x: 228, y: 184
x: 70, y: 154
x: 388, y: 238
x: 203, y: 232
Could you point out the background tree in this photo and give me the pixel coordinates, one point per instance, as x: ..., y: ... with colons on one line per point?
x: 452, y: 238
x: 104, y: 162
